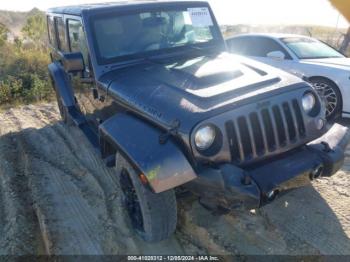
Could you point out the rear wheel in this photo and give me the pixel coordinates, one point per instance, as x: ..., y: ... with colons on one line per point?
x: 331, y: 95
x: 63, y: 111
x: 153, y: 216
x: 61, y: 107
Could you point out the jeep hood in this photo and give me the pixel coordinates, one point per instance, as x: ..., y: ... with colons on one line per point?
x: 195, y: 89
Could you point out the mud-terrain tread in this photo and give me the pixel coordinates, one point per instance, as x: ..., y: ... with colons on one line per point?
x: 63, y: 110
x: 159, y: 210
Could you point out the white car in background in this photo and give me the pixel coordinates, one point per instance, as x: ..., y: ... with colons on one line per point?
x: 327, y: 69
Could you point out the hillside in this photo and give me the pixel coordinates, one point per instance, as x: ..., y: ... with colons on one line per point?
x: 14, y: 21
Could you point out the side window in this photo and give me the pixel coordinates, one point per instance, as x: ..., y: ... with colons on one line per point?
x: 77, y: 39
x: 263, y: 46
x: 238, y: 45
x: 255, y: 46
x: 51, y: 31
x: 62, y: 39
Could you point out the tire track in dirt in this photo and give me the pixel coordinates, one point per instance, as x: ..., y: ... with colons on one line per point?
x: 101, y: 175
x: 76, y: 197
x: 19, y: 222
x: 75, y: 202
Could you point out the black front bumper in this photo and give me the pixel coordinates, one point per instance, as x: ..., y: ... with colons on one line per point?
x: 231, y: 187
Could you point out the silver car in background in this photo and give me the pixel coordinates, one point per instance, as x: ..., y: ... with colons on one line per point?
x: 326, y: 68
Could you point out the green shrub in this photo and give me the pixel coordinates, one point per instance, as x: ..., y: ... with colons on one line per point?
x: 23, y: 75
x: 5, y: 93
x: 38, y: 90
x: 23, y: 67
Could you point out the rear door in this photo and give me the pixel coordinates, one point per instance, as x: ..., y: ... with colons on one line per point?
x: 57, y: 36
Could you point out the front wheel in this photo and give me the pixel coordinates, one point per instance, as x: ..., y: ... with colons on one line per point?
x: 330, y: 93
x: 153, y: 216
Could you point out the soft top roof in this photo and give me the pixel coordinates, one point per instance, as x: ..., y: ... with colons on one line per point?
x: 78, y: 9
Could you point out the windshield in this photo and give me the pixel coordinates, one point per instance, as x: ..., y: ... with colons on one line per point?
x: 119, y: 36
x: 306, y: 48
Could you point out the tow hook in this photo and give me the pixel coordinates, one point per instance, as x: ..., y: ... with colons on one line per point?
x: 271, y: 195
x: 316, y: 172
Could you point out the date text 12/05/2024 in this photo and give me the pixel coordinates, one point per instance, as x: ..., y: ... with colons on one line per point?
x: 174, y: 258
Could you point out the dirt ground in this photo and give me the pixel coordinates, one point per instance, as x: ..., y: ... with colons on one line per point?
x: 57, y: 197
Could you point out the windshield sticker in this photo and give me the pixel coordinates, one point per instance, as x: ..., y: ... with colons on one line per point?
x: 200, y: 17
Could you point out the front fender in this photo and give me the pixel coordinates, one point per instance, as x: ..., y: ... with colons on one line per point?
x: 62, y: 84
x: 164, y: 165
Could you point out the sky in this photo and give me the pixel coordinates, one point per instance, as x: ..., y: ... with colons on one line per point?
x: 255, y: 12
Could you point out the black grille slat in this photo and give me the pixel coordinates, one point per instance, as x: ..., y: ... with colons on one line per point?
x: 233, y: 141
x: 257, y: 134
x: 281, y: 127
x: 263, y: 130
x: 299, y: 117
x: 295, y: 121
x: 284, y: 119
x: 245, y: 137
x: 275, y: 132
x: 239, y: 142
x: 291, y: 126
x: 270, y: 130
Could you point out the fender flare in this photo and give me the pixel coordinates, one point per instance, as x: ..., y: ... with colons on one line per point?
x: 61, y: 84
x: 164, y: 165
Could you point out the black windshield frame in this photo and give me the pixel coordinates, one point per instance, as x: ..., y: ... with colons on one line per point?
x: 215, y: 30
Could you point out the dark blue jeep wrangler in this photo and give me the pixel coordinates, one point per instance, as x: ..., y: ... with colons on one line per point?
x: 154, y: 90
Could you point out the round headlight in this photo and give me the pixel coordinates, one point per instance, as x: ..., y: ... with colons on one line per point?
x: 308, y: 102
x: 204, y: 137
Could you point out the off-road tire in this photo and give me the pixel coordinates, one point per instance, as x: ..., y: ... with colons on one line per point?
x: 63, y: 111
x: 159, y: 211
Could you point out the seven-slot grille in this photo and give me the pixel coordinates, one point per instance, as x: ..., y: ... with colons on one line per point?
x: 263, y: 132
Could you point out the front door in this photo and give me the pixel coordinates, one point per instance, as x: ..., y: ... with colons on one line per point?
x: 90, y: 100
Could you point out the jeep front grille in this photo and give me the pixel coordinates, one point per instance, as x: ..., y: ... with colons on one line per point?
x: 263, y: 132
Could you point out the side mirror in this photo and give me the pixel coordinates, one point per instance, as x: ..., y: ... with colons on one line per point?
x: 277, y: 55
x: 73, y: 62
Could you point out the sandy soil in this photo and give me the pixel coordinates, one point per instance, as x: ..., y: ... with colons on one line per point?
x: 57, y: 197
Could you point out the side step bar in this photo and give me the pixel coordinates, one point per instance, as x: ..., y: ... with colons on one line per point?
x: 77, y: 117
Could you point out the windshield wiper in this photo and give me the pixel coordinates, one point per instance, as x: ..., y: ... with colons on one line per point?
x: 201, y: 48
x: 145, y: 58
